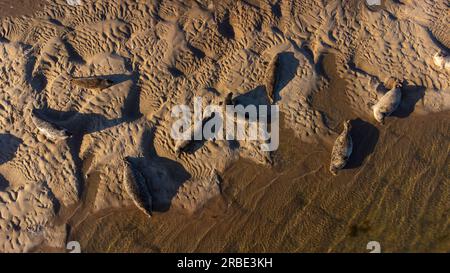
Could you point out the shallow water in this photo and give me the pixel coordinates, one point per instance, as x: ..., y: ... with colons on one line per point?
x: 396, y: 193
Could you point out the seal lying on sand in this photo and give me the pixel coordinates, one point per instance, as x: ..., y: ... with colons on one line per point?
x: 182, y: 145
x: 272, y: 78
x: 50, y: 130
x: 442, y: 60
x: 92, y: 82
x: 342, y: 149
x: 387, y: 104
x: 137, y: 189
x: 215, y: 177
x: 374, y: 5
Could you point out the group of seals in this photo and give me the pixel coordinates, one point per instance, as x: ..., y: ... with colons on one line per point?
x: 343, y: 145
x: 53, y: 131
x: 134, y: 181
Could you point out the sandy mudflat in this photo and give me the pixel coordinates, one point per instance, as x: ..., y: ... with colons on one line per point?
x: 20, y: 7
x: 400, y: 201
x: 335, y: 59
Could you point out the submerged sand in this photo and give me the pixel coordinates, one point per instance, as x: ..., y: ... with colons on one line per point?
x: 335, y: 59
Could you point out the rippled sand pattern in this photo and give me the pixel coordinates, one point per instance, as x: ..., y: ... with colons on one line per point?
x: 321, y: 62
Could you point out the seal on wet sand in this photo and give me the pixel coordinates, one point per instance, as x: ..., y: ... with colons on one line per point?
x: 136, y: 187
x: 342, y: 149
x: 48, y: 129
x: 387, y: 104
x: 92, y: 82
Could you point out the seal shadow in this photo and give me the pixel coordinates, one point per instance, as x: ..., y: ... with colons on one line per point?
x: 256, y: 97
x: 411, y: 95
x: 163, y: 176
x: 365, y: 138
x: 115, y: 78
x: 438, y: 42
x: 74, y: 56
x: 286, y: 71
x: 4, y: 184
x: 225, y: 28
x: 8, y: 147
x: 131, y: 108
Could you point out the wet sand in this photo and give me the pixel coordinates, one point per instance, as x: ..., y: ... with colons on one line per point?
x: 16, y: 8
x: 396, y: 195
x: 332, y: 102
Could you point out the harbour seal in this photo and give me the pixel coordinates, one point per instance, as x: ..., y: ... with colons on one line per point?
x: 215, y: 177
x: 375, y: 5
x: 442, y: 60
x: 387, y: 104
x: 136, y: 187
x: 272, y: 78
x: 48, y: 129
x: 342, y: 149
x: 92, y: 82
x: 197, y: 128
